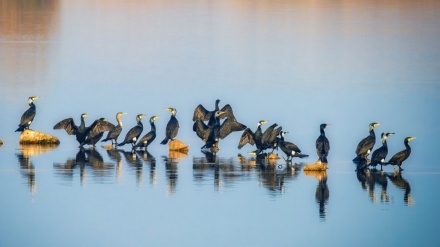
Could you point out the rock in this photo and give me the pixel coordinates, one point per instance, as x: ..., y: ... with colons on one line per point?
x: 318, y: 166
x: 176, y: 155
x: 35, y: 137
x: 178, y: 146
x: 1, y: 142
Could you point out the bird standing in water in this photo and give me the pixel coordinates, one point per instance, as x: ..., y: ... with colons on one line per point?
x: 134, y: 133
x: 69, y: 126
x: 28, y: 115
x: 172, y: 126
x: 252, y: 138
x: 116, y: 131
x: 322, y: 144
x: 401, y: 156
x: 148, y: 138
x: 366, y: 145
x: 290, y: 149
x: 379, y: 155
x: 95, y: 132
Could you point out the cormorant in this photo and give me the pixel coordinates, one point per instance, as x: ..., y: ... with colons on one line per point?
x: 290, y: 149
x: 379, y: 154
x: 134, y: 133
x: 28, y: 115
x: 148, y: 138
x: 269, y: 138
x: 401, y: 156
x: 172, y: 126
x: 96, y: 131
x: 366, y: 145
x: 209, y: 134
x: 200, y: 113
x: 69, y: 126
x: 114, y: 133
x: 252, y: 138
x: 322, y: 144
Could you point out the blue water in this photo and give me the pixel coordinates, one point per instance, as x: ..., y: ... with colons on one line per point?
x: 294, y: 63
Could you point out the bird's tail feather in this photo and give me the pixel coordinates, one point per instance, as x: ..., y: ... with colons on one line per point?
x: 165, y: 141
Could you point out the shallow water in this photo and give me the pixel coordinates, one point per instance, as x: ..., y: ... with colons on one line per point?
x: 295, y: 63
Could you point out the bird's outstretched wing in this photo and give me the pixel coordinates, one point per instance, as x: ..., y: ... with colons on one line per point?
x: 200, y: 113
x: 247, y: 137
x: 230, y: 125
x: 68, y: 125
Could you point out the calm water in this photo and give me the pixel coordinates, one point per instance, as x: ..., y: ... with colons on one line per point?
x: 295, y: 63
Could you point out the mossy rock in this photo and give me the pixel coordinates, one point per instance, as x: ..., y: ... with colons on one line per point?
x: 36, y: 137
x: 318, y: 166
x: 178, y: 146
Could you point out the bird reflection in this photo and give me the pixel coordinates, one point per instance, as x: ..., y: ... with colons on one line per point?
x: 322, y: 192
x: 401, y: 183
x: 114, y: 155
x: 150, y: 160
x: 274, y: 175
x: 85, y: 158
x: 134, y: 161
x: 171, y: 173
x: 27, y: 168
x: 369, y: 178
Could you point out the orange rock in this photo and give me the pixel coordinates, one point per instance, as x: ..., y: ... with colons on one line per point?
x: 318, y: 166
x: 35, y: 137
x: 178, y: 146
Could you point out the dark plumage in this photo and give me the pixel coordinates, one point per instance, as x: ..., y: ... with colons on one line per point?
x: 96, y: 131
x: 148, y: 138
x: 269, y: 138
x: 252, y: 138
x: 209, y: 134
x: 290, y: 149
x: 366, y: 145
x: 322, y: 144
x: 379, y: 155
x: 134, y: 133
x: 401, y: 156
x: 69, y: 126
x: 172, y: 127
x: 114, y: 133
x: 28, y: 115
x: 200, y: 113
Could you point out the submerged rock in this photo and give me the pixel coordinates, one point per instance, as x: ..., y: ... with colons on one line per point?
x: 35, y: 137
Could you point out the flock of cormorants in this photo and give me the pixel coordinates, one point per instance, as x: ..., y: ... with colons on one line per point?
x: 209, y: 128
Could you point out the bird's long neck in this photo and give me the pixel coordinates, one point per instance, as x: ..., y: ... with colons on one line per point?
x: 372, y: 133
x: 322, y: 131
x: 32, y: 105
x: 140, y: 123
x: 384, y: 143
x: 83, y: 123
x: 216, y: 106
x: 153, y: 127
x: 407, y: 146
x: 118, y: 119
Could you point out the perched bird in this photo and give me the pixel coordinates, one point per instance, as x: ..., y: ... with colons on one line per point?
x: 148, y: 138
x: 114, y: 133
x: 269, y: 138
x: 379, y: 155
x: 209, y: 134
x: 95, y: 132
x: 322, y: 144
x: 252, y: 138
x: 134, y: 133
x: 401, y: 156
x: 172, y: 126
x: 290, y: 149
x: 200, y: 113
x: 366, y: 145
x: 69, y: 126
x: 28, y: 115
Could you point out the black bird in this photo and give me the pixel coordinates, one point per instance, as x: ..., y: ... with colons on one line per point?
x: 134, y: 133
x: 401, y: 156
x: 252, y: 138
x: 114, y: 133
x: 209, y: 134
x: 322, y: 144
x: 200, y: 113
x: 366, y: 145
x: 290, y: 149
x: 269, y: 138
x: 379, y: 155
x: 69, y: 126
x: 95, y: 132
x: 148, y: 138
x: 28, y: 115
x: 172, y: 126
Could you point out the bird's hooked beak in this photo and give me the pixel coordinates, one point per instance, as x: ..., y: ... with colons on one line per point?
x: 411, y: 138
x: 261, y: 122
x: 155, y: 118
